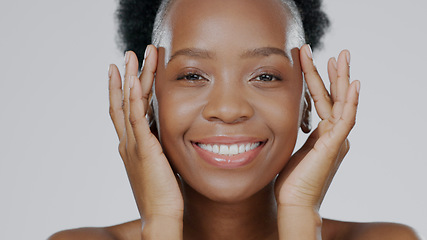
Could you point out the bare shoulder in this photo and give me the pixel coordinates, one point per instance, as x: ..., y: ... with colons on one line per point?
x: 331, y: 230
x: 367, y: 231
x: 124, y: 231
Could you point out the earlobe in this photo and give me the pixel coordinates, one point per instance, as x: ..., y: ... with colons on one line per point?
x: 306, y: 115
x: 152, y: 123
x: 153, y: 129
x: 152, y: 119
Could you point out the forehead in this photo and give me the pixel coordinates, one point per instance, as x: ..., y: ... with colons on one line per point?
x: 227, y: 24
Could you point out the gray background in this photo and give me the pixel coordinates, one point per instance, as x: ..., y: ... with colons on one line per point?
x: 59, y: 164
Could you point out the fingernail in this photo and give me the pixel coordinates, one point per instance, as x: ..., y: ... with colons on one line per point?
x: 309, y: 52
x: 131, y: 81
x: 348, y: 58
x: 126, y: 57
x: 143, y: 64
x: 358, y: 87
x: 147, y: 52
x: 110, y: 71
x: 334, y: 61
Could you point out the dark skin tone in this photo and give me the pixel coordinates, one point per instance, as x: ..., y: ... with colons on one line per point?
x: 236, y: 84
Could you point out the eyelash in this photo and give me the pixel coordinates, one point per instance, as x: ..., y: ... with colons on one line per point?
x: 273, y: 76
x: 188, y: 74
x: 192, y: 74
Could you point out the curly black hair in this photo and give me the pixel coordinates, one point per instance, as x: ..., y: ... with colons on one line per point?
x: 136, y: 21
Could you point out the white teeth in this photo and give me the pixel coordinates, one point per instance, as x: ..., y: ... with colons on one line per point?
x: 234, y: 149
x: 254, y: 145
x: 242, y: 148
x: 215, y: 148
x: 209, y: 148
x: 223, y: 149
x: 229, y: 150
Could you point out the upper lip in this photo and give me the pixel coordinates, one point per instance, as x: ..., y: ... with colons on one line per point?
x: 229, y: 140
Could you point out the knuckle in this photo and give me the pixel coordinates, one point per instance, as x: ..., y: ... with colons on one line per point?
x: 349, y: 122
x: 311, y: 70
x: 122, y: 149
x: 133, y: 99
x: 320, y: 97
x: 133, y: 121
x: 112, y: 111
x: 314, y: 70
x: 333, y: 119
x: 124, y: 106
x: 355, y: 104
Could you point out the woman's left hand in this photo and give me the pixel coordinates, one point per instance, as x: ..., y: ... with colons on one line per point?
x: 306, y: 178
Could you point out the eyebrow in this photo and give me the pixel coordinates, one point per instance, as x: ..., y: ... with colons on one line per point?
x: 193, y: 52
x: 264, y: 52
x: 252, y: 53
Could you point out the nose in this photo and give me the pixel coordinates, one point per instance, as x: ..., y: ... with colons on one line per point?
x: 228, y: 103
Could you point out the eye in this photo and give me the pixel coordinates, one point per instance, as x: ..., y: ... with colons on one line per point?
x: 267, y: 77
x: 190, y: 77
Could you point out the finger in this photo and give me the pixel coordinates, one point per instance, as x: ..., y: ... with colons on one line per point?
x: 138, y: 121
x: 320, y: 95
x: 116, y: 100
x: 149, y: 68
x: 333, y: 77
x: 131, y: 64
x: 343, y: 82
x: 329, y: 145
x: 343, y: 71
x: 131, y: 68
x: 139, y: 94
x: 343, y: 126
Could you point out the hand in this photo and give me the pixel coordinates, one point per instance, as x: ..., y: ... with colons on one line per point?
x: 154, y: 184
x: 306, y: 178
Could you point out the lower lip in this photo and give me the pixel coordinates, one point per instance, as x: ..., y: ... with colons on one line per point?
x: 223, y: 161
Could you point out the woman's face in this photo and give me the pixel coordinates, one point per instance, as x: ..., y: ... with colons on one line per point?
x: 226, y: 84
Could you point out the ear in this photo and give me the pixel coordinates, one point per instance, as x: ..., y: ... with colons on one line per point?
x: 306, y: 114
x: 152, y: 119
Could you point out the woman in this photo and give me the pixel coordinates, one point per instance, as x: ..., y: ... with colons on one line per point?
x: 228, y: 99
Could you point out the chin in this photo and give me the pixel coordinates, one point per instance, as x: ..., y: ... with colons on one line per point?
x: 228, y: 190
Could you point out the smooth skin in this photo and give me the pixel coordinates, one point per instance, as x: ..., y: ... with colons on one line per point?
x: 229, y: 96
x: 136, y: 99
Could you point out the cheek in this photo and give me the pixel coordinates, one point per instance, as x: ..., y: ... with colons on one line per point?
x: 280, y: 114
x: 177, y: 111
x: 280, y: 109
x: 283, y: 117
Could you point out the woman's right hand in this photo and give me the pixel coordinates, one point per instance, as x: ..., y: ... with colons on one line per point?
x: 154, y: 184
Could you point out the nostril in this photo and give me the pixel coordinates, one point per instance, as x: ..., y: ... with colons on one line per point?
x: 226, y: 111
x: 228, y: 120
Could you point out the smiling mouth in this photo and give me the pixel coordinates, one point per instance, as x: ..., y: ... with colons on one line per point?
x: 229, y: 150
x: 229, y: 155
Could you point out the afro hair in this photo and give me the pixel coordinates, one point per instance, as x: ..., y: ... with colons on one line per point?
x: 136, y: 19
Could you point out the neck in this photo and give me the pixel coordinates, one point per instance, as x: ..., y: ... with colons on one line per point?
x: 252, y: 218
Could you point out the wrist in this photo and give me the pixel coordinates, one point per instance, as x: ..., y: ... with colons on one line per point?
x: 299, y: 222
x: 161, y: 227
